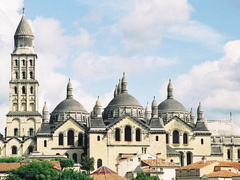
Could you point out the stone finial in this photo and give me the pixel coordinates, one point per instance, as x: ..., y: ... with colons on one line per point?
x: 124, y: 84
x: 154, y: 108
x: 45, y: 113
x: 170, y: 90
x: 119, y: 87
x: 98, y: 108
x: 148, y: 112
x: 23, y: 11
x: 200, y: 112
x: 115, y: 92
x: 69, y: 89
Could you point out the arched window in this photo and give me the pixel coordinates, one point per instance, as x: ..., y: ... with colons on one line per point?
x: 202, y: 142
x: 99, y: 163
x: 156, y: 138
x: 185, y: 138
x: 138, y: 135
x: 16, y: 75
x: 74, y: 156
x: 23, y: 90
x: 45, y: 143
x: 16, y: 62
x: 15, y: 89
x: 30, y: 149
x: 181, y: 158
x: 167, y: 138
x: 31, y: 75
x: 238, y: 153
x: 175, y: 137
x: 57, y: 154
x: 60, y: 139
x: 31, y: 90
x: 80, y: 139
x: 23, y: 75
x: 70, y: 137
x: 31, y: 132
x: 117, y: 134
x: 66, y: 154
x: 14, y: 150
x: 189, y: 158
x: 16, y: 132
x: 31, y: 62
x: 23, y: 62
x: 128, y: 133
x: 228, y: 154
x: 98, y: 138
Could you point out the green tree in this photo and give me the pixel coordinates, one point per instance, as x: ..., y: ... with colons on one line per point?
x: 69, y: 174
x: 87, y: 163
x: 143, y: 176
x: 11, y: 159
x: 64, y: 162
x: 34, y: 171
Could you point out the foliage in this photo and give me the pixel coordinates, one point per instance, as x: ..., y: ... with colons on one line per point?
x: 69, y: 174
x: 87, y: 163
x: 11, y: 159
x: 64, y: 162
x: 143, y: 176
x: 34, y: 171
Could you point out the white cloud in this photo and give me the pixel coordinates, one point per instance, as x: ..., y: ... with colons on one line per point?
x: 216, y: 84
x: 92, y: 65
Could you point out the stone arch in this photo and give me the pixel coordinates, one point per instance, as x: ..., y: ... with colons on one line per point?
x: 176, y: 136
x: 128, y: 133
x: 189, y: 157
x: 70, y: 137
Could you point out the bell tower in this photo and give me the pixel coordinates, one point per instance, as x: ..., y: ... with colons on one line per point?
x: 23, y: 118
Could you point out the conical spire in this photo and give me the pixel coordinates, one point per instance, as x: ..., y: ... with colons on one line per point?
x: 192, y: 116
x: 200, y: 112
x: 124, y: 84
x: 201, y: 122
x: 98, y: 102
x: 69, y: 90
x: 119, y: 87
x: 170, y: 90
x: 148, y: 112
x: 115, y: 91
x: 98, y: 108
x: 45, y: 113
x: 154, y: 108
x: 23, y: 38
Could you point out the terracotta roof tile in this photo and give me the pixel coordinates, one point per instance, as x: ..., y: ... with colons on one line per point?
x: 198, y: 164
x: 223, y: 174
x: 56, y: 165
x: 104, y: 173
x: 159, y: 162
x: 229, y: 164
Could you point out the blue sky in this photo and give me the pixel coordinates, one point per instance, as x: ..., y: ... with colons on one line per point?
x: 195, y: 43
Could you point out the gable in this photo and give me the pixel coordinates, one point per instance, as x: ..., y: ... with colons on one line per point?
x: 177, y: 123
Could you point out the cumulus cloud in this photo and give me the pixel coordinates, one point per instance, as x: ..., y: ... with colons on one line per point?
x: 150, y: 21
x: 89, y: 64
x: 215, y: 83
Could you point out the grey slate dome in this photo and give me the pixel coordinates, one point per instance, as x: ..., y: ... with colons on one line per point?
x: 171, y: 105
x: 124, y: 100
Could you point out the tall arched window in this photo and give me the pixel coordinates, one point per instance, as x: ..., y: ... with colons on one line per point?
x: 45, y: 143
x: 66, y: 154
x: 30, y: 62
x: 15, y: 89
x: 167, y: 138
x: 70, y: 137
x: 138, y: 135
x: 31, y: 90
x: 202, y: 142
x: 117, y: 134
x: 31, y: 75
x: 23, y: 62
x: 228, y: 154
x: 185, y: 138
x: 80, y: 139
x: 23, y: 90
x: 175, y: 137
x: 99, y: 163
x: 31, y: 132
x: 181, y: 158
x: 128, y: 133
x: 156, y: 138
x: 60, y: 139
x: 14, y: 150
x: 23, y: 75
x: 74, y: 156
x: 16, y: 132
x: 16, y: 62
x: 189, y: 158
x: 30, y: 149
x: 98, y: 138
x: 238, y: 153
x: 16, y: 75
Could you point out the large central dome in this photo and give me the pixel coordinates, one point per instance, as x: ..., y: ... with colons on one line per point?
x: 171, y: 105
x: 122, y: 104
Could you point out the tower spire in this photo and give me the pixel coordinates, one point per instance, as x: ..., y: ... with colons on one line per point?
x: 23, y: 11
x: 124, y: 84
x: 170, y: 90
x: 69, y: 90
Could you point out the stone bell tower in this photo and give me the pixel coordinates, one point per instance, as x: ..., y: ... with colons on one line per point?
x: 23, y: 118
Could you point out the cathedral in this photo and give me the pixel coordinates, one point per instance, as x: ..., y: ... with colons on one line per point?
x: 124, y: 128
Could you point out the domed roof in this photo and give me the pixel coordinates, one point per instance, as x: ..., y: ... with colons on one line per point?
x: 171, y: 105
x: 69, y: 105
x: 124, y: 99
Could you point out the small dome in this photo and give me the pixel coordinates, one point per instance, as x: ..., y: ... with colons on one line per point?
x: 171, y: 105
x: 124, y: 100
x: 69, y: 105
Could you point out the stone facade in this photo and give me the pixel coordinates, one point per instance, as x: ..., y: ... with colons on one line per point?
x: 123, y: 128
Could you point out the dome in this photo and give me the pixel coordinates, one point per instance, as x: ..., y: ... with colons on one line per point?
x: 124, y: 99
x: 171, y: 105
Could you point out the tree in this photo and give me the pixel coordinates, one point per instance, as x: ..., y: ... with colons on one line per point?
x: 69, y: 174
x: 64, y: 162
x: 34, y: 171
x: 143, y: 176
x: 11, y: 159
x: 87, y: 163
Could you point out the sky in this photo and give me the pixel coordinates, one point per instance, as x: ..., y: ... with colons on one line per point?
x: 194, y: 43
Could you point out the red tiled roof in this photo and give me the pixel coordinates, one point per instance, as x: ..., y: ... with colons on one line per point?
x: 125, y: 157
x: 223, y: 174
x: 235, y: 165
x: 8, y: 166
x: 159, y: 162
x: 104, y: 173
x: 198, y: 164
